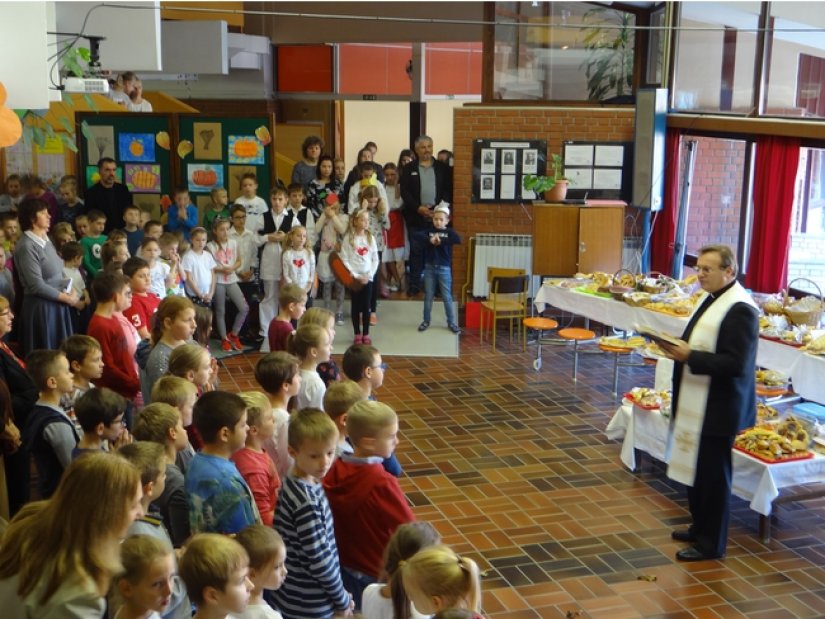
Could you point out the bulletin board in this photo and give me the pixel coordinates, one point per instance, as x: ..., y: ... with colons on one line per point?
x: 599, y: 170
x: 499, y: 167
x: 221, y: 149
x: 140, y: 143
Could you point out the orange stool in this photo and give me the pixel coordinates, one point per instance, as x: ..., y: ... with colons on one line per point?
x: 576, y: 335
x: 539, y: 324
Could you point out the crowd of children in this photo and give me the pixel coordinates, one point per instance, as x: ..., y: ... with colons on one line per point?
x: 278, y: 502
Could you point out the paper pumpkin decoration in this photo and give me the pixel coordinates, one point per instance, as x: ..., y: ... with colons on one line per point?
x: 11, y: 129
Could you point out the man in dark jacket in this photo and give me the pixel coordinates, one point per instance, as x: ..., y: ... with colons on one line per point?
x: 108, y: 196
x: 713, y: 399
x: 425, y: 182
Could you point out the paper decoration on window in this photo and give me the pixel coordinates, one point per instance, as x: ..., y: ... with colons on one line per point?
x: 136, y: 147
x: 245, y: 149
x: 142, y: 178
x: 203, y: 177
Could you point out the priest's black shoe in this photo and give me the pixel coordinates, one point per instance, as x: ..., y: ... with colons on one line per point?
x: 682, y: 535
x: 694, y: 554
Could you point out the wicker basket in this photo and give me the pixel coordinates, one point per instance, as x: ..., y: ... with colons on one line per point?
x: 630, y: 282
x: 798, y: 317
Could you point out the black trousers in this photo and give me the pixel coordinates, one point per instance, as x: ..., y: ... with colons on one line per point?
x: 416, y: 263
x: 709, y: 498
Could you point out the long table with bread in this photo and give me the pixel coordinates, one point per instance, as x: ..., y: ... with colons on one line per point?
x: 805, y: 370
x: 754, y: 481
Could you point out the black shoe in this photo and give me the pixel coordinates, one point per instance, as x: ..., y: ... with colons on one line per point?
x: 694, y: 554
x: 683, y: 535
x: 454, y: 328
x: 424, y: 326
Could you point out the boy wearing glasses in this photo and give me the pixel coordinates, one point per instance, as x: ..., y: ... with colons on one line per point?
x: 101, y: 415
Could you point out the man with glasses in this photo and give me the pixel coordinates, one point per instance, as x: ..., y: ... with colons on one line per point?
x: 714, y: 395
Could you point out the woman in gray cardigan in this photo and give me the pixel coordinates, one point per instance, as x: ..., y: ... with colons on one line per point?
x: 45, y: 318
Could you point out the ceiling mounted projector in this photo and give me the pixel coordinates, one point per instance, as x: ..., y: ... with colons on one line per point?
x: 86, y: 85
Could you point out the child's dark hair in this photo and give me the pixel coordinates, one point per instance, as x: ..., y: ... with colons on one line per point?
x: 407, y: 540
x: 108, y: 252
x: 42, y: 365
x: 149, y: 458
x: 203, y: 325
x: 216, y: 410
x: 98, y: 405
x: 77, y: 347
x: 294, y: 188
x: 106, y: 285
x: 151, y: 224
x: 71, y: 251
x: 237, y: 208
x: 357, y: 358
x: 179, y: 189
x: 148, y: 240
x: 366, y: 166
x: 277, y: 190
x: 275, y: 369
x: 95, y: 215
x: 249, y: 176
x: 133, y: 265
x: 261, y: 543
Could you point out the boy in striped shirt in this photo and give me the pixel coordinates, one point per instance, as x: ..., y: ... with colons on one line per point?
x: 312, y: 588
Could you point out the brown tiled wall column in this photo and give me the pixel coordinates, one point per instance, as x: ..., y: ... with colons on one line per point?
x: 513, y: 123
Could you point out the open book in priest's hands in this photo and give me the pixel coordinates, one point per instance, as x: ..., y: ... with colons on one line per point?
x: 656, y: 336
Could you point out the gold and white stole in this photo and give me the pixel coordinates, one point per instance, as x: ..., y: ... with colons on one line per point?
x: 694, y: 389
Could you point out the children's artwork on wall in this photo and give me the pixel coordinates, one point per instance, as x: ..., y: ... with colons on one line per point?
x: 233, y: 181
x: 103, y: 144
x: 203, y: 177
x: 204, y: 203
x: 207, y: 137
x: 136, y: 147
x: 142, y: 177
x: 245, y: 149
x: 93, y: 175
x: 148, y: 203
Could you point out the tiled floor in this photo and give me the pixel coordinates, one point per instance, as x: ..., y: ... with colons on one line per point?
x: 512, y: 467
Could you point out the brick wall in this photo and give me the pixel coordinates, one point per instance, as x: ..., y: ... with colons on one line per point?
x: 807, y: 258
x: 512, y: 123
x: 716, y: 192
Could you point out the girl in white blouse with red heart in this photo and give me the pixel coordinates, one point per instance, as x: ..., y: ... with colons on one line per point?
x: 359, y: 254
x: 298, y: 262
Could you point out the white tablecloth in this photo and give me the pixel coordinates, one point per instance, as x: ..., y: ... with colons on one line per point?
x: 753, y: 480
x: 806, y: 371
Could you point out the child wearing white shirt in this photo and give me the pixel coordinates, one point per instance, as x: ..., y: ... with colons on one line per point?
x: 199, y: 266
x: 298, y: 262
x: 359, y: 254
x: 225, y: 252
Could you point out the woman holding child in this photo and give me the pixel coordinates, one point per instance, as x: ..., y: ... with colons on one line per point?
x: 46, y: 302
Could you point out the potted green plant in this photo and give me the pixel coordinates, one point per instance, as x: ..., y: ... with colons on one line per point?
x: 553, y: 187
x: 608, y: 66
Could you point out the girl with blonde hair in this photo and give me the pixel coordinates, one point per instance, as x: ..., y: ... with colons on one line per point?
x: 359, y: 254
x: 312, y: 345
x: 46, y: 572
x: 436, y: 579
x: 375, y: 203
x: 327, y: 370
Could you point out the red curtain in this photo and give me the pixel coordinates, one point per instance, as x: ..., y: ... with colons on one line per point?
x: 777, y: 160
x: 664, y: 226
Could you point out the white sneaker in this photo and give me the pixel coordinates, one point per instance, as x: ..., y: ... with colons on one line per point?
x: 339, y: 319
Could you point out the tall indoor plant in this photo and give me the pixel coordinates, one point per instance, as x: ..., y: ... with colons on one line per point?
x: 609, y: 63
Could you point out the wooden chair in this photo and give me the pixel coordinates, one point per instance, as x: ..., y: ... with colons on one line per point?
x: 508, y: 300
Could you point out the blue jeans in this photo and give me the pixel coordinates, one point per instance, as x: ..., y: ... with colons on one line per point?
x: 443, y: 276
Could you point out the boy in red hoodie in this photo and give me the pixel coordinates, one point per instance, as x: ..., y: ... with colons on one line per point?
x: 367, y: 503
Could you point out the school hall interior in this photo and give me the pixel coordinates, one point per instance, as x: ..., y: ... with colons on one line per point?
x: 512, y: 464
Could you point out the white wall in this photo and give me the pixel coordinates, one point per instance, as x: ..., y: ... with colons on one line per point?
x: 384, y: 122
x: 23, y: 63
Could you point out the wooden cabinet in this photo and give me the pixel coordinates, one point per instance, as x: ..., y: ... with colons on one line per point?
x: 577, y: 238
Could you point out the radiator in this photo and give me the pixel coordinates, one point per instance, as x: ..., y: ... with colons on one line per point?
x: 509, y: 251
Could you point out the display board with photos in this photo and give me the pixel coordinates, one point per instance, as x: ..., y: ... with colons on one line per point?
x: 499, y: 167
x: 599, y: 170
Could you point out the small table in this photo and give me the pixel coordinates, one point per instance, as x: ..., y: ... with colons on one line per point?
x: 753, y: 480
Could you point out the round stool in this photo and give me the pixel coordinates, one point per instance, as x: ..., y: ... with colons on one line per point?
x: 539, y: 324
x: 576, y: 335
x: 616, y: 352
